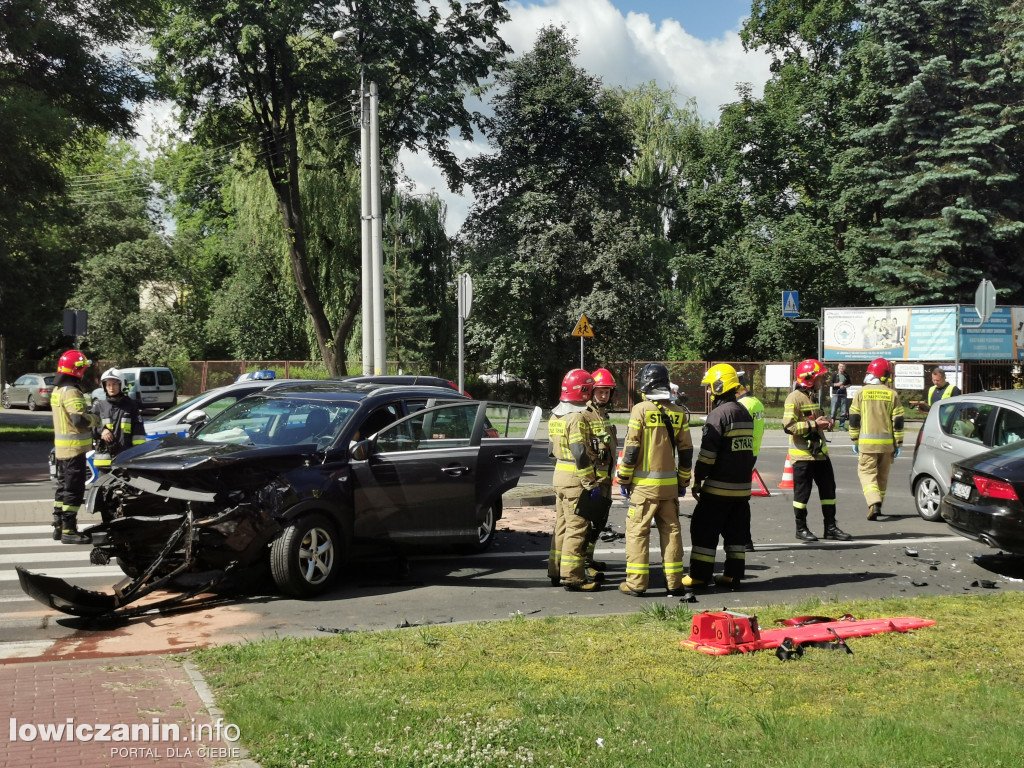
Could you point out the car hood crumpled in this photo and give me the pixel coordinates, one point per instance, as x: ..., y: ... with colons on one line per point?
x: 180, y: 454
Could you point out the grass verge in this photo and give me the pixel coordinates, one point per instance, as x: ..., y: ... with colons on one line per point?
x: 18, y: 434
x: 620, y: 691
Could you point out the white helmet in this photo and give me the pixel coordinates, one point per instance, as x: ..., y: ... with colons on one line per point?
x: 112, y: 373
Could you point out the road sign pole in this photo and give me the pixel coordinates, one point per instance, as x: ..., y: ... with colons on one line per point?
x: 581, y: 353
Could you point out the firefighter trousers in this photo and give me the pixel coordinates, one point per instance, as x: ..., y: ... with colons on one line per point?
x: 873, y: 471
x: 717, y: 516
x: 70, y: 484
x: 665, y: 514
x: 568, y: 553
x: 806, y: 474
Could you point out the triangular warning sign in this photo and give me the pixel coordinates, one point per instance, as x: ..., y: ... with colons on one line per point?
x: 583, y: 328
x: 757, y: 486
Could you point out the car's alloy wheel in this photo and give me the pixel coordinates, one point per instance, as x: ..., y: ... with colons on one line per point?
x: 32, y: 403
x: 927, y: 495
x: 484, y: 534
x: 5, y: 401
x: 304, y: 559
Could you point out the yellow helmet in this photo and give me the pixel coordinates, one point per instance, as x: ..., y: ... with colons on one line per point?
x: 721, y: 378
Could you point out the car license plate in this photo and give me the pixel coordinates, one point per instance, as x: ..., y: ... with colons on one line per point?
x: 961, y: 490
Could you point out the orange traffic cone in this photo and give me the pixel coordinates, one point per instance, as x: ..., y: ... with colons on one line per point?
x: 615, y: 475
x: 787, y: 474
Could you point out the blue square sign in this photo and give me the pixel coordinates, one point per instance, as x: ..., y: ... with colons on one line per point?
x: 791, y: 304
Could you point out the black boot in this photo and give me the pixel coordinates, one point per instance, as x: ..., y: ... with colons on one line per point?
x: 874, y: 511
x: 69, y: 531
x: 834, y: 532
x: 57, y: 525
x: 802, y: 531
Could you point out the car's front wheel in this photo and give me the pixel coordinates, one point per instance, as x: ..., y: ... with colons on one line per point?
x: 5, y: 401
x: 927, y: 495
x: 485, y: 531
x: 305, y: 558
x: 32, y: 403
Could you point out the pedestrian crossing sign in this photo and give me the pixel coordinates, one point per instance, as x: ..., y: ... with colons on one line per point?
x: 583, y: 328
x: 791, y: 304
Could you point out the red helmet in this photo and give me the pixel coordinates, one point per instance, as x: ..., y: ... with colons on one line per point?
x: 577, y: 386
x: 881, y: 369
x: 808, y: 372
x: 73, y: 363
x: 603, y: 378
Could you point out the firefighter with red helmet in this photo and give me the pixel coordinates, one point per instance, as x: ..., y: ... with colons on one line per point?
x: 570, y: 443
x: 72, y: 439
x: 653, y: 479
x: 721, y: 483
x: 876, y: 429
x: 806, y: 423
x: 604, y: 442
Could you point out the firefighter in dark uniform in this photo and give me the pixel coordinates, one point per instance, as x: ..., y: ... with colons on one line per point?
x: 876, y: 429
x: 806, y: 423
x: 72, y: 439
x: 604, y: 442
x: 570, y: 438
x: 721, y: 484
x: 650, y: 475
x: 120, y: 424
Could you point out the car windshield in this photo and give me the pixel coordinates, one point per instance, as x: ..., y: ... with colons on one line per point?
x: 262, y: 421
x: 181, y: 408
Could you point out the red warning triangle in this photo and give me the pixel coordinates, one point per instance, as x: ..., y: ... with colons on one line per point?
x: 757, y: 486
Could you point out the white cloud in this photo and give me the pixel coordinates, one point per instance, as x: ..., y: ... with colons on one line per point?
x: 623, y: 51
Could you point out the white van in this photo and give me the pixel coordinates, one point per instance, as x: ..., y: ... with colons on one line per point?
x: 149, y: 387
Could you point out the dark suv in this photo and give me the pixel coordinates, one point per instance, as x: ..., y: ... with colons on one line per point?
x: 301, y: 473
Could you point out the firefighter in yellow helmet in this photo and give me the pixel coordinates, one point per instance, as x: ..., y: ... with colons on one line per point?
x: 570, y: 437
x: 72, y: 439
x: 604, y: 443
x: 806, y: 423
x: 876, y: 429
x: 721, y: 483
x: 653, y: 479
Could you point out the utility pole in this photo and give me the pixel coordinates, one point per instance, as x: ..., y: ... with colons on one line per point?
x: 376, y: 221
x: 366, y: 269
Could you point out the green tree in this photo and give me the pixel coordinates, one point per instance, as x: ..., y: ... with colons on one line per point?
x: 935, y: 187
x: 64, y: 70
x: 551, y: 236
x: 253, y: 72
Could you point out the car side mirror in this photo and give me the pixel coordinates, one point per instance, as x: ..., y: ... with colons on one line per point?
x: 360, y: 450
x: 193, y: 416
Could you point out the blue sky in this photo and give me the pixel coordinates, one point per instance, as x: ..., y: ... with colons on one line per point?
x: 705, y: 19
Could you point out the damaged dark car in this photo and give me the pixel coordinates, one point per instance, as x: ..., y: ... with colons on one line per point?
x: 300, y: 477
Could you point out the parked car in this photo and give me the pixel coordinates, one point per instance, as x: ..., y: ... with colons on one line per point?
x: 302, y: 474
x: 149, y: 387
x: 409, y: 379
x: 203, y: 407
x: 984, y: 500
x: 31, y: 390
x: 958, y: 428
x: 500, y: 377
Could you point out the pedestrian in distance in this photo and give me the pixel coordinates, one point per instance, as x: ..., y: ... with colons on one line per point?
x: 876, y: 429
x: 721, y: 484
x: 653, y: 473
x: 120, y: 424
x: 939, y: 390
x: 839, y: 384
x: 569, y: 436
x: 604, y: 444
x: 806, y: 424
x: 72, y: 439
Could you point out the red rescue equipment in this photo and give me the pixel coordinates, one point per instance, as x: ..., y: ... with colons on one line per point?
x: 723, y: 632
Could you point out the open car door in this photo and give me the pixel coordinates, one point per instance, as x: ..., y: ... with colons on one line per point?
x: 430, y: 477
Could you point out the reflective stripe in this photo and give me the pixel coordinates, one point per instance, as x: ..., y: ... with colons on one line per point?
x: 673, y: 567
x: 639, y: 568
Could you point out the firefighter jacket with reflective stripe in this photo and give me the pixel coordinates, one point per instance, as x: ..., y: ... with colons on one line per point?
x: 569, y: 437
x: 756, y: 410
x: 725, y: 462
x: 72, y: 422
x: 806, y: 442
x: 121, y: 416
x: 876, y: 419
x: 648, y: 461
x: 948, y: 391
x: 603, y: 442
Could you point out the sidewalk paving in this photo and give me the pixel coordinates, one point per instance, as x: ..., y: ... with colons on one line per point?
x: 24, y: 462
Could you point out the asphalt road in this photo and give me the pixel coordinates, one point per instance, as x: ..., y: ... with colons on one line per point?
x: 901, y: 556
